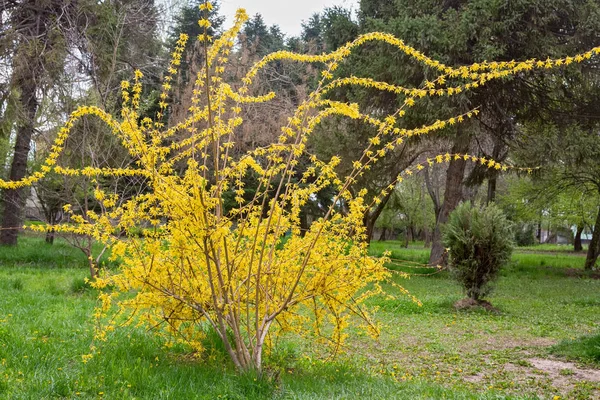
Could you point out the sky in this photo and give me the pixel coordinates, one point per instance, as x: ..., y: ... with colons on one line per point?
x: 288, y: 14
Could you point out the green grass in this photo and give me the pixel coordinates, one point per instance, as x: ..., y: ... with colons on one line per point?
x: 427, y: 352
x: 33, y: 251
x: 584, y: 349
x: 45, y: 327
x: 563, y: 248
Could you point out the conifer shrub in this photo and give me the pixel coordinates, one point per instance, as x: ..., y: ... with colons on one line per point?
x: 480, y: 242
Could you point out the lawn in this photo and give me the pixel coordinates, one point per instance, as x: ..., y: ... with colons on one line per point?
x: 540, y: 344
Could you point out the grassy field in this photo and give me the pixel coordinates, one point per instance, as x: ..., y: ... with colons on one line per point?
x: 540, y: 344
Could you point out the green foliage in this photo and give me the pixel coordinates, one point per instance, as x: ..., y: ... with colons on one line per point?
x: 569, y: 153
x: 262, y: 38
x: 480, y: 243
x: 186, y: 21
x: 409, y: 207
x: 524, y: 235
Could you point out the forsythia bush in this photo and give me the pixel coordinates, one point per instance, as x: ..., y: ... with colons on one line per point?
x: 249, y: 273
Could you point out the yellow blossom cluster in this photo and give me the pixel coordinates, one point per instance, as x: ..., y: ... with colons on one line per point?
x: 252, y: 271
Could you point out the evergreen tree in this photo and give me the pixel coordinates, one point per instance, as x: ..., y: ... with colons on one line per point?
x: 464, y: 32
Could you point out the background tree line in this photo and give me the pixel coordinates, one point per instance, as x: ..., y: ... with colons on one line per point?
x: 55, y: 55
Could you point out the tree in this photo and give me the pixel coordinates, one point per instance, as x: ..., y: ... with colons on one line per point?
x: 464, y: 32
x: 186, y: 22
x: 330, y: 30
x: 410, y: 209
x: 569, y: 163
x: 543, y: 200
x: 260, y: 38
x: 43, y: 38
x: 38, y: 53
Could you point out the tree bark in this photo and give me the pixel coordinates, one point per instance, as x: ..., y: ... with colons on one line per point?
x: 433, y: 193
x: 370, y: 216
x: 491, y: 192
x: 452, y: 197
x: 28, y: 67
x: 426, y: 237
x: 594, y: 246
x: 577, y: 246
x: 50, y: 236
x: 13, y: 200
x: 304, y: 226
x: 369, y: 221
x: 383, y: 233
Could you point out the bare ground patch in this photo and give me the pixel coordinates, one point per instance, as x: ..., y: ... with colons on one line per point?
x: 564, y: 376
x: 562, y: 372
x: 506, y: 342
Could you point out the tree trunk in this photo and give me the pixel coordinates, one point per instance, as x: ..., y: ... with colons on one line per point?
x: 383, y: 233
x: 50, y: 235
x: 304, y: 226
x: 491, y: 192
x: 452, y: 197
x: 409, y: 236
x: 594, y: 246
x: 28, y: 67
x: 427, y: 237
x: 577, y: 246
x: 498, y: 154
x: 369, y: 222
x: 433, y: 193
x: 370, y: 216
x: 14, y: 199
x: 551, y: 237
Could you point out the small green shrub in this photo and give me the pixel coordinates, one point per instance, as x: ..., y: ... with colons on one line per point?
x: 480, y: 242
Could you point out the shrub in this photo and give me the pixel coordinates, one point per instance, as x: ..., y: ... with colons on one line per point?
x: 480, y: 243
x: 193, y: 260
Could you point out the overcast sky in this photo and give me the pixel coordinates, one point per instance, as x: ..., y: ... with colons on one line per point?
x: 288, y: 14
